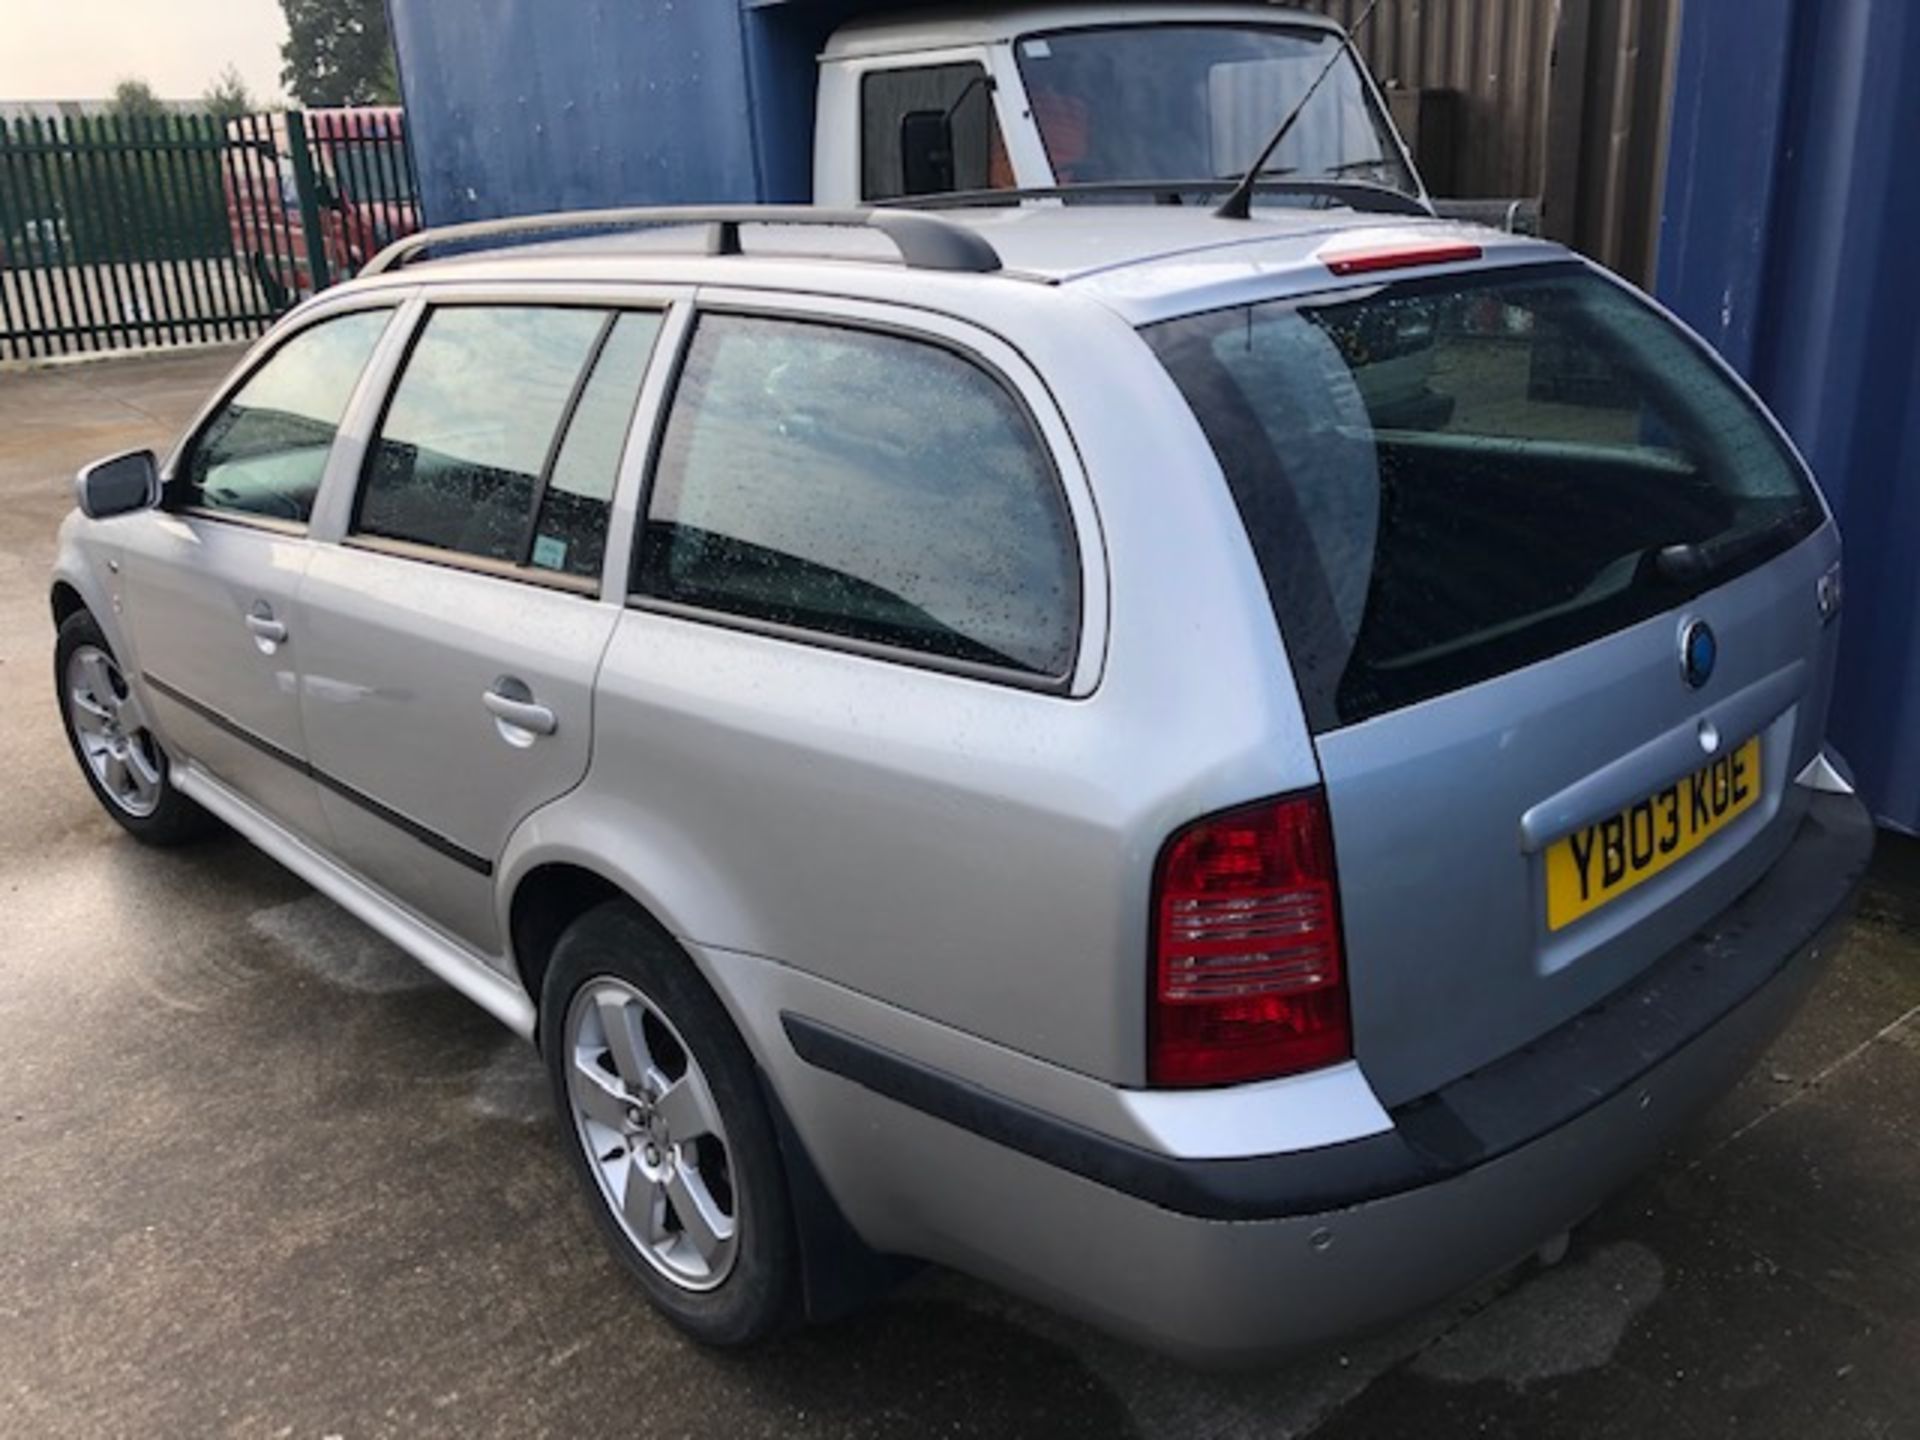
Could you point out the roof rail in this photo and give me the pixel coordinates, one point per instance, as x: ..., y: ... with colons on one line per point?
x: 925, y: 242
x: 1354, y: 194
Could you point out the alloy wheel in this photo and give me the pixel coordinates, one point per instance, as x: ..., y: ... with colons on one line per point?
x: 111, y: 727
x: 652, y: 1133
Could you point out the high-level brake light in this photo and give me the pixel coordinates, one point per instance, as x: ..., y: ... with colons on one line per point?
x: 1398, y: 257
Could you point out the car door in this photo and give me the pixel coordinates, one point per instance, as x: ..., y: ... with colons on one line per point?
x: 453, y: 635
x: 212, y: 579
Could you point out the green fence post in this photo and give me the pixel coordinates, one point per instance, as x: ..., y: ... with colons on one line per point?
x: 309, y: 200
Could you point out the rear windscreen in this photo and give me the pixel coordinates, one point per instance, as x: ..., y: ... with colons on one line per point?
x: 1447, y: 480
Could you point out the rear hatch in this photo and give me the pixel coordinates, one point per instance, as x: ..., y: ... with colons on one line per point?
x: 1556, y: 596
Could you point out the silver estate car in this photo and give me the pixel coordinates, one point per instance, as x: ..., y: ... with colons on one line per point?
x: 1234, y: 776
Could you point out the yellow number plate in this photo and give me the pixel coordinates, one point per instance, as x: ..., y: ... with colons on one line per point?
x: 1592, y: 866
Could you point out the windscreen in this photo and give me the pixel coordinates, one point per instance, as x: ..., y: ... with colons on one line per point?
x: 1447, y: 480
x: 1198, y: 102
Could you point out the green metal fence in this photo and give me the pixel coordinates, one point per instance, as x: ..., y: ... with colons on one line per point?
x: 359, y: 173
x: 119, y: 233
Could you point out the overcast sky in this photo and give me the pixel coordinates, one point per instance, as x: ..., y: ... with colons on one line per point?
x: 78, y: 49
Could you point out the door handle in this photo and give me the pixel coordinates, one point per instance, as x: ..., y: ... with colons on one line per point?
x: 264, y: 627
x: 511, y: 703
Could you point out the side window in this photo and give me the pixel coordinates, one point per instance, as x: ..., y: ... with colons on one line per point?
x: 929, y: 130
x: 264, y: 451
x: 861, y: 485
x: 504, y: 433
x: 570, y: 530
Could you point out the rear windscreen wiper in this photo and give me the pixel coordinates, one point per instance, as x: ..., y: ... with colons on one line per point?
x: 1693, y: 562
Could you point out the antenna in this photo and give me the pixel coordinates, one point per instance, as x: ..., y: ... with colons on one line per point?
x: 1239, y: 205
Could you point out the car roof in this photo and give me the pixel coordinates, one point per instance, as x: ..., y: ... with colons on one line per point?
x: 1144, y: 261
x: 1149, y: 262
x: 950, y: 27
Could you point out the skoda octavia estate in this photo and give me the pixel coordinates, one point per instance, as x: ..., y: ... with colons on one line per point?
x: 1234, y: 776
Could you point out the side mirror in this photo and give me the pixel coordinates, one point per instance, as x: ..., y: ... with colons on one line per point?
x: 118, y: 485
x: 926, y: 152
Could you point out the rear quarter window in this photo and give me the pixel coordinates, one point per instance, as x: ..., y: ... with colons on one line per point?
x: 862, y: 485
x: 1446, y: 480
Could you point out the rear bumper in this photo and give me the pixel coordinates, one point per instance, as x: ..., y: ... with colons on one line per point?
x: 1227, y: 1261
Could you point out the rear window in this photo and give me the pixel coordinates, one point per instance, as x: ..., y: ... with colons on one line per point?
x: 1447, y: 480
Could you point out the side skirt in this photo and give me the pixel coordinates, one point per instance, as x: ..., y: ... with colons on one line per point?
x: 453, y: 963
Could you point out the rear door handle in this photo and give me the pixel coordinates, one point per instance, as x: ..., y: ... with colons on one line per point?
x: 511, y: 703
x: 264, y: 627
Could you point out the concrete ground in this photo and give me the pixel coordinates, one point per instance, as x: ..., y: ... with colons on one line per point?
x: 261, y: 1177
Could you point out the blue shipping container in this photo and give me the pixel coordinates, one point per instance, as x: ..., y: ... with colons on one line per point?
x: 1792, y: 210
x: 517, y: 107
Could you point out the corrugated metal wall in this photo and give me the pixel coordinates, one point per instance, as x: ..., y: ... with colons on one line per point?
x: 1496, y: 53
x: 1563, y: 100
x: 1791, y: 211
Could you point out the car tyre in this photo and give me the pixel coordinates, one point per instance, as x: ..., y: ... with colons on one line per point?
x: 120, y: 756
x: 665, y: 1124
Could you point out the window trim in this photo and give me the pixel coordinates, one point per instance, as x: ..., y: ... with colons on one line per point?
x: 611, y: 307
x: 269, y: 523
x: 394, y: 302
x: 1065, y: 684
x: 587, y: 585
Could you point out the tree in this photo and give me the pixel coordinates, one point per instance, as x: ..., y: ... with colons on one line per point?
x: 228, y: 95
x: 338, y: 53
x: 133, y: 99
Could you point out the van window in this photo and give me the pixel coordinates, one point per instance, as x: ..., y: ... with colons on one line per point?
x: 861, y: 485
x: 929, y: 129
x: 265, y: 450
x: 497, y: 444
x: 1445, y: 480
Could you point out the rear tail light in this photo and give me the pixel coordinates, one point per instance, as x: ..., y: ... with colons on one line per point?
x: 1248, y: 982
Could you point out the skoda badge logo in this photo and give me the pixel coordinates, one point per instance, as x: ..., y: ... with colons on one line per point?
x: 1698, y: 652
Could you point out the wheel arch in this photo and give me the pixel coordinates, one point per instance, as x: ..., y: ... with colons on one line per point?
x: 546, y: 899
x: 839, y: 1272
x: 595, y: 844
x: 65, y: 600
x: 548, y: 891
x: 78, y: 585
